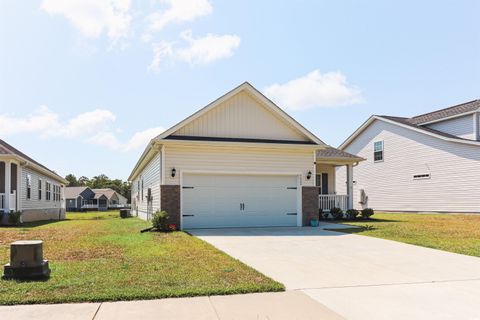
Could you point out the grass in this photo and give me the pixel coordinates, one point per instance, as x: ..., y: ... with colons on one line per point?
x: 100, y: 257
x: 459, y: 233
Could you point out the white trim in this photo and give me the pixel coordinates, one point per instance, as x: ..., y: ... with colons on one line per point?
x: 299, y: 176
x: 373, y: 118
x: 476, y: 125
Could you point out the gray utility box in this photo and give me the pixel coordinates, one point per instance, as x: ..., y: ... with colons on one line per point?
x: 26, y: 261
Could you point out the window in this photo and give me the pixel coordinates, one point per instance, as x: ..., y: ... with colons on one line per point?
x: 39, y: 189
x: 48, y: 191
x: 421, y: 176
x: 29, y: 186
x: 142, y: 189
x: 378, y: 151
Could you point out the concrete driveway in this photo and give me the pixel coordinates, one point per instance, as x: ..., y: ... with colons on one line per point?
x: 359, y: 277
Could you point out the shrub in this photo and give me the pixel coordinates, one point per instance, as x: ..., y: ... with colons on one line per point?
x: 336, y: 213
x: 15, y: 218
x: 367, y: 213
x: 160, y: 220
x: 352, y: 213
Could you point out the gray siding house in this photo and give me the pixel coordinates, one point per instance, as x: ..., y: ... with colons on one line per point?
x: 84, y: 198
x: 29, y: 187
x: 426, y: 163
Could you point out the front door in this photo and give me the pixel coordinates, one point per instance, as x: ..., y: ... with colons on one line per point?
x: 321, y: 180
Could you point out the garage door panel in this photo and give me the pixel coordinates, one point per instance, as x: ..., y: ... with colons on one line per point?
x: 211, y: 201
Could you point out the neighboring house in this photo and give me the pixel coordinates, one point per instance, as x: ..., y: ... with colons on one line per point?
x: 29, y: 187
x: 240, y: 161
x: 427, y: 163
x: 84, y: 198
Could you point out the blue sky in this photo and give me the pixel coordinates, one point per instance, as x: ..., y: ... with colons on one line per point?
x: 85, y: 84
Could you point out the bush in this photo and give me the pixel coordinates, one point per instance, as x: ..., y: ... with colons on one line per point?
x: 336, y: 213
x: 160, y: 220
x: 367, y: 213
x: 15, y: 218
x: 352, y: 214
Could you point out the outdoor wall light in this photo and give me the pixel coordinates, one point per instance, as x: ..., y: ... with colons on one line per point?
x: 174, y: 172
x: 309, y: 175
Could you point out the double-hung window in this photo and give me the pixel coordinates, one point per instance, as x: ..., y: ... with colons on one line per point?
x: 39, y: 189
x: 378, y: 151
x: 48, y: 191
x: 29, y: 186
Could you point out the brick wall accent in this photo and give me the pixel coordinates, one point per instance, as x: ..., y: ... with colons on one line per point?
x: 170, y: 202
x: 309, y: 204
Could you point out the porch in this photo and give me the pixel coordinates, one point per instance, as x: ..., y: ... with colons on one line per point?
x: 9, y: 186
x: 333, y: 193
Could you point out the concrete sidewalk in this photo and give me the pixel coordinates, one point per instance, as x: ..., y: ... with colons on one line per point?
x: 288, y: 305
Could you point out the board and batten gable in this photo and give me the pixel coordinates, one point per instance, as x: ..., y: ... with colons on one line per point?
x: 149, y: 177
x: 462, y: 127
x: 390, y: 184
x: 241, y: 116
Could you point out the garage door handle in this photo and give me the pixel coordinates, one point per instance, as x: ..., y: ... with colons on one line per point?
x: 188, y: 215
x: 291, y: 213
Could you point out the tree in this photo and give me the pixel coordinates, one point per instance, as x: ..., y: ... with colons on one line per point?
x: 83, y: 181
x: 72, y: 180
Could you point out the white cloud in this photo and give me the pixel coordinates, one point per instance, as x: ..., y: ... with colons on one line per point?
x: 93, y: 127
x: 178, y: 11
x: 202, y: 50
x: 93, y: 17
x: 141, y: 138
x: 315, y: 90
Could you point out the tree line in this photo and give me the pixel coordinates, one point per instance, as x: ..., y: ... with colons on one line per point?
x: 100, y: 182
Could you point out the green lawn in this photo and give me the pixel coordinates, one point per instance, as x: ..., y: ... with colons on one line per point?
x: 459, y: 233
x: 99, y: 257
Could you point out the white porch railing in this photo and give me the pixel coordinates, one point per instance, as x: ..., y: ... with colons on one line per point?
x: 329, y: 201
x: 13, y: 201
x: 89, y: 206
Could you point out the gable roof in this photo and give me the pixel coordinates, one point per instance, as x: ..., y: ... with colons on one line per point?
x: 105, y: 191
x: 256, y: 94
x: 438, y: 115
x: 406, y: 123
x: 74, y: 192
x: 166, y: 135
x: 7, y: 149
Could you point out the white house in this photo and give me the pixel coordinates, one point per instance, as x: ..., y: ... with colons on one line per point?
x: 429, y: 162
x: 240, y: 161
x: 29, y: 187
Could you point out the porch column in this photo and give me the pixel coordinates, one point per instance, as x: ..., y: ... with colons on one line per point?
x: 8, y: 176
x: 19, y: 187
x: 350, y: 186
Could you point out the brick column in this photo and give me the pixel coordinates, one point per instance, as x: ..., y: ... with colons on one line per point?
x: 170, y: 202
x: 309, y: 204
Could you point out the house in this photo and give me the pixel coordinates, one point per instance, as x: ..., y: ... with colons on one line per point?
x: 29, y: 187
x: 426, y: 163
x: 241, y: 161
x: 85, y: 198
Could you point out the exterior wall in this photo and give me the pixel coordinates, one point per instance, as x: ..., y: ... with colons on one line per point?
x: 453, y: 167
x: 34, y: 209
x: 330, y: 170
x: 237, y: 159
x: 151, y: 177
x: 461, y: 127
x: 309, y: 205
x: 241, y: 117
x: 170, y: 199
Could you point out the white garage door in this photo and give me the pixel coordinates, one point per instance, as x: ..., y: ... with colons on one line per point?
x: 216, y: 200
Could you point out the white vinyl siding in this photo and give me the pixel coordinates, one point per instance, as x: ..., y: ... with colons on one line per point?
x: 241, y: 117
x: 237, y: 159
x: 390, y: 185
x: 148, y: 178
x: 461, y: 127
x: 34, y: 202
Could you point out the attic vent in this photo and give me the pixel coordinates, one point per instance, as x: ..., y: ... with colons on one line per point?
x: 421, y: 176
